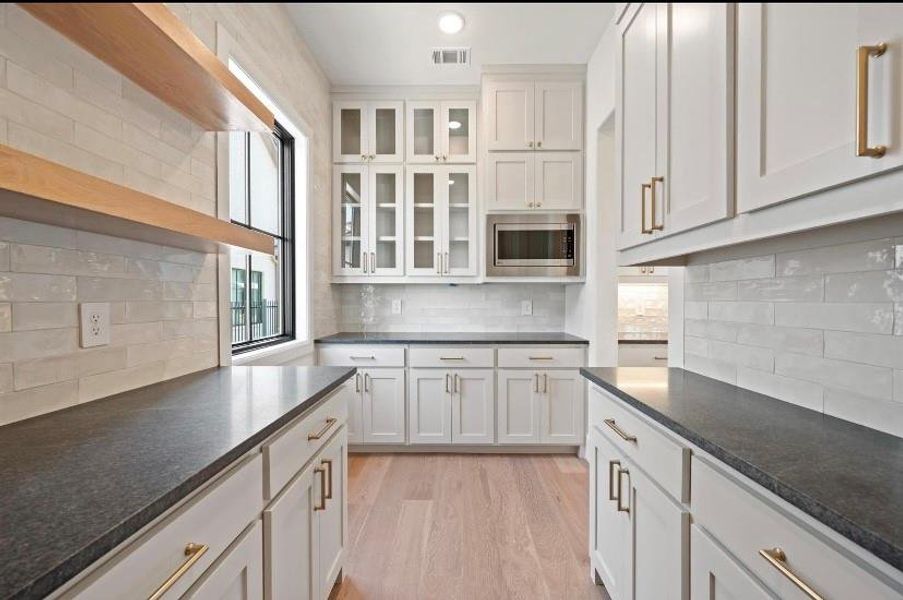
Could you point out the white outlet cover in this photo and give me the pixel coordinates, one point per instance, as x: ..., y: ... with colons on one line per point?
x: 94, y: 324
x: 396, y: 307
x: 526, y: 307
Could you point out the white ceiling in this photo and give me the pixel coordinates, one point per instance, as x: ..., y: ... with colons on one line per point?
x: 390, y: 43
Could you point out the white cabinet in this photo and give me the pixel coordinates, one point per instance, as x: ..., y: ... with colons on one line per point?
x: 518, y: 407
x: 609, y: 531
x: 540, y: 407
x: 441, y: 132
x: 675, y: 122
x: 642, y: 355
x: 534, y: 180
x: 369, y: 217
x: 237, y: 574
x: 533, y: 114
x: 353, y: 391
x: 441, y: 209
x: 561, y: 407
x: 367, y: 132
x: 429, y: 406
x: 451, y: 407
x: 383, y: 402
x: 715, y: 575
x: 797, y: 97
x: 330, y: 521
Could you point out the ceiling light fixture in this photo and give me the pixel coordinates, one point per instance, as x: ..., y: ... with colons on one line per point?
x: 451, y: 23
x: 454, y: 125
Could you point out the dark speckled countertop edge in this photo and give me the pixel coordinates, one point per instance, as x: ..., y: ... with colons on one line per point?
x: 865, y: 538
x: 453, y: 338
x: 72, y: 566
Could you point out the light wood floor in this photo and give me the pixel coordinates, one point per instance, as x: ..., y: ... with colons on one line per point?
x: 467, y: 527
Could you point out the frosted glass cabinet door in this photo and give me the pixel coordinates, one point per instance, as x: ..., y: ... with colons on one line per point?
x: 459, y: 132
x: 386, y: 123
x: 460, y: 221
x: 351, y: 214
x: 424, y: 144
x: 796, y: 97
x: 350, y: 132
x: 386, y: 232
x: 423, y: 204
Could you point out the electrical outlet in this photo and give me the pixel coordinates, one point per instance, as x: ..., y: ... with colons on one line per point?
x: 396, y: 307
x: 94, y: 321
x: 526, y: 307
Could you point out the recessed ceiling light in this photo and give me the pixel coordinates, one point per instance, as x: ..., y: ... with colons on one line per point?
x: 451, y: 22
x: 454, y: 125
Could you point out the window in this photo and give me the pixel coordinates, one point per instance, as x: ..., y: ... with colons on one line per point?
x: 261, y: 188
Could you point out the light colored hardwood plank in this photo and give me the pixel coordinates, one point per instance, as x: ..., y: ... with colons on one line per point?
x: 148, y: 44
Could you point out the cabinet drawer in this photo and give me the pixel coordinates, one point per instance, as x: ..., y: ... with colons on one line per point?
x: 662, y: 457
x: 286, y: 453
x: 357, y: 355
x: 745, y: 524
x: 541, y: 357
x: 452, y: 357
x: 213, y: 518
x: 642, y: 355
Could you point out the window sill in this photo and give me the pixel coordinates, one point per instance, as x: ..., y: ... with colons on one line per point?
x: 275, y: 355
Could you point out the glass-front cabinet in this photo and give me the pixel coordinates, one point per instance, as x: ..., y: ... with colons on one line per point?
x: 368, y: 214
x: 441, y: 212
x: 368, y: 132
x: 441, y: 132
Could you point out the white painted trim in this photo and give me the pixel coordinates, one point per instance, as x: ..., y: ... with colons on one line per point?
x: 276, y: 355
x: 676, y: 316
x: 549, y: 69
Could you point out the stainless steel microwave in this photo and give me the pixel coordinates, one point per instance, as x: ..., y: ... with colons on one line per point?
x: 533, y: 245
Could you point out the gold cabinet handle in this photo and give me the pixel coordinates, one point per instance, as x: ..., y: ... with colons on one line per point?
x: 366, y: 382
x: 656, y: 179
x: 328, y: 464
x: 315, y: 436
x: 447, y: 384
x: 446, y: 264
x: 193, y: 552
x: 778, y: 559
x: 862, y: 100
x: 539, y: 144
x: 623, y: 434
x: 529, y: 144
x: 536, y: 382
x: 611, y: 480
x: 322, y: 504
x: 545, y: 383
x: 541, y: 357
x: 626, y: 508
x: 357, y: 382
x: 451, y: 358
x: 457, y: 383
x: 373, y: 262
x: 643, y: 188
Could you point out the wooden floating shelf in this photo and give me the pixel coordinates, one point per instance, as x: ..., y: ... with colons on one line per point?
x: 62, y: 196
x: 148, y: 44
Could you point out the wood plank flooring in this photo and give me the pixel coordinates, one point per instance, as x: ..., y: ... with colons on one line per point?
x: 468, y: 526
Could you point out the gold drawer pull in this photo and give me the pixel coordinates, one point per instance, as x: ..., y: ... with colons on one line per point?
x: 777, y: 559
x: 643, y: 188
x: 194, y: 552
x: 328, y: 464
x: 315, y: 436
x: 451, y: 358
x: 611, y: 480
x: 541, y: 357
x: 862, y: 100
x: 627, y: 507
x: 371, y: 357
x: 623, y: 434
x: 322, y: 504
x: 656, y: 179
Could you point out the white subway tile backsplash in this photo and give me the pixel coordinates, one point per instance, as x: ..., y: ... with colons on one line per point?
x: 96, y: 289
x: 796, y: 391
x: 883, y: 415
x: 34, y: 116
x: 899, y: 252
x: 6, y: 317
x: 898, y: 318
x: 726, y: 290
x: 783, y: 289
x: 868, y: 380
x: 26, y: 232
x: 760, y: 267
x: 872, y: 349
x: 863, y: 317
x: 860, y: 256
x: 15, y: 406
x: 696, y: 310
x: 44, y: 315
x: 6, y: 379
x: 716, y: 369
x: 788, y: 339
x: 746, y: 356
x: 898, y: 386
x: 42, y: 342
x: 870, y: 286
x: 43, y: 259
x: 114, y: 382
x: 4, y: 256
x: 697, y: 346
x: 29, y: 287
x: 742, y: 312
x: 135, y: 333
x: 137, y: 312
x: 697, y: 274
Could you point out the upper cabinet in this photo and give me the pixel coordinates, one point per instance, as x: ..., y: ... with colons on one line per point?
x: 441, y: 132
x: 675, y: 119
x: 368, y: 132
x: 819, y: 97
x: 533, y: 114
x: 534, y: 181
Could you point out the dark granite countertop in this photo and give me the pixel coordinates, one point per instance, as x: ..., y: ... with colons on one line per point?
x: 76, y: 483
x: 845, y: 475
x: 450, y: 337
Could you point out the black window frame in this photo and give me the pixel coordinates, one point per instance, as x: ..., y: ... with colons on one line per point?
x: 283, y: 241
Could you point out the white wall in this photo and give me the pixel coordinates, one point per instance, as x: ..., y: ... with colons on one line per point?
x: 592, y: 307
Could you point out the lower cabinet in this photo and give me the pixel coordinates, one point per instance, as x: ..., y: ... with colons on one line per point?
x: 382, y: 394
x: 609, y: 530
x: 304, y: 528
x: 451, y: 406
x: 540, y: 407
x: 715, y: 576
x: 237, y: 574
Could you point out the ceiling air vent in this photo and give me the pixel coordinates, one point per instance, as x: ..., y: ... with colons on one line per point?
x: 451, y: 56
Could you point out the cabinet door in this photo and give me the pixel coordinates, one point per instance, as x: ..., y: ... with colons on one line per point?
x: 350, y: 129
x: 559, y: 115
x: 697, y: 149
x: 353, y: 391
x: 796, y: 100
x: 386, y: 230
x: 609, y: 528
x: 351, y: 214
x: 473, y: 406
x: 562, y: 407
x: 714, y: 575
x: 429, y: 406
x: 331, y: 519
x: 559, y: 180
x: 290, y: 538
x: 459, y: 132
x: 424, y: 135
x: 660, y: 538
x: 509, y: 180
x: 385, y: 120
x: 424, y: 216
x: 510, y: 121
x: 635, y: 127
x: 237, y: 574
x: 384, y: 413
x: 459, y: 220
x: 518, y: 411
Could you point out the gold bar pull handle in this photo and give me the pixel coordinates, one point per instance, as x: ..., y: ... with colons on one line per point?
x: 322, y: 504
x: 643, y: 188
x: 541, y: 357
x: 778, y: 559
x: 315, y: 436
x: 625, y: 508
x: 862, y: 100
x: 621, y: 433
x: 451, y: 358
x: 611, y: 480
x: 328, y: 464
x: 660, y: 226
x: 193, y: 552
